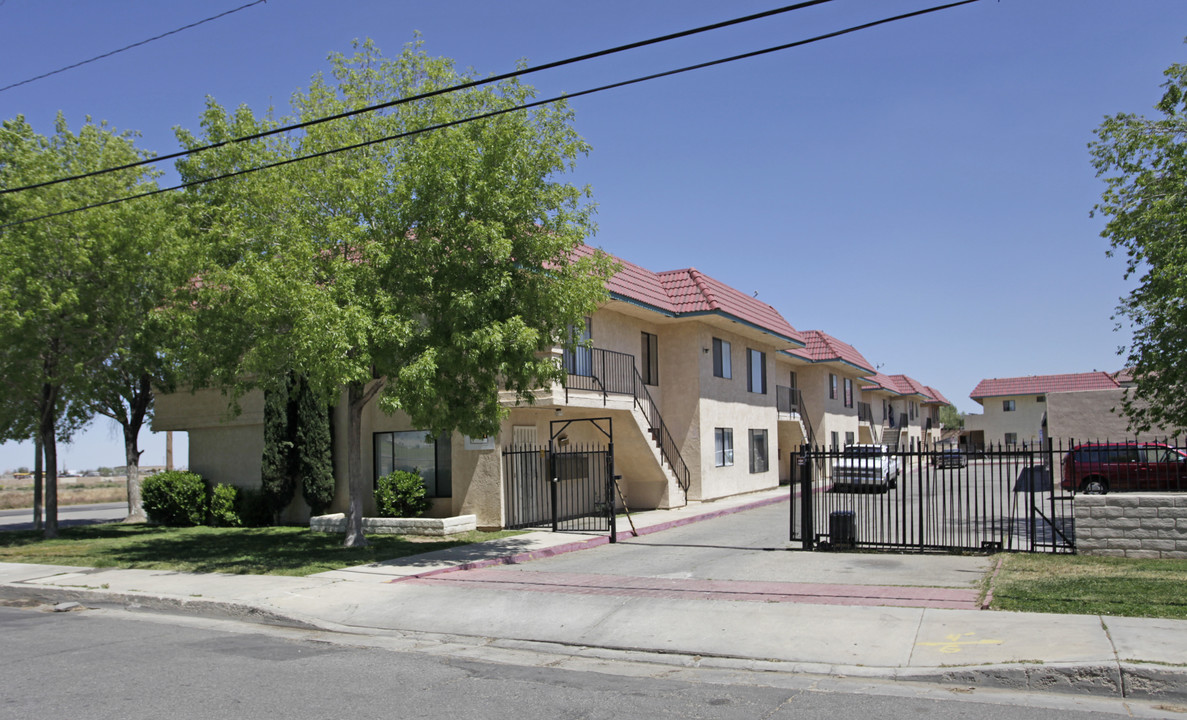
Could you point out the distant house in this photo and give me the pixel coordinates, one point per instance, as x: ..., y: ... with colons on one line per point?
x: 1025, y: 410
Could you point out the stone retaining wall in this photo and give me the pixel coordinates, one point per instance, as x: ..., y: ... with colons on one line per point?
x: 1137, y: 525
x: 336, y: 523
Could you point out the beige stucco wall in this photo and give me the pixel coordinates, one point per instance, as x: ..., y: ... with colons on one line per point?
x: 1092, y: 415
x: 728, y: 403
x: 829, y: 415
x: 1026, y: 419
x: 229, y: 454
x: 225, y: 445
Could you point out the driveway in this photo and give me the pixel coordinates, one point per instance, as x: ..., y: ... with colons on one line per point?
x: 744, y: 557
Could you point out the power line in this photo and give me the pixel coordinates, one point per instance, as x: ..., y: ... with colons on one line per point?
x: 432, y: 93
x: 504, y: 111
x: 129, y: 47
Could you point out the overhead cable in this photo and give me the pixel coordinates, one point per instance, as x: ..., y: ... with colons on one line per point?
x: 433, y: 93
x: 129, y: 47
x: 504, y: 111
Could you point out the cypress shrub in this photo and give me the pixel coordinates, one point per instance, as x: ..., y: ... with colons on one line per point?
x: 313, y: 444
x: 278, y: 466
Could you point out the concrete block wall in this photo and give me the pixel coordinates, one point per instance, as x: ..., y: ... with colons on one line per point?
x: 1137, y: 525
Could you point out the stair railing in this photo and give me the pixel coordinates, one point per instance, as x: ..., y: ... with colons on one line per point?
x: 667, y: 446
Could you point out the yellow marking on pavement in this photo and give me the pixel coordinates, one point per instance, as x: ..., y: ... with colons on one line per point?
x: 953, y: 643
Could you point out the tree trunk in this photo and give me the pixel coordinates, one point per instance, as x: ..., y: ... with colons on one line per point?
x: 49, y: 397
x: 38, y: 513
x: 354, y: 465
x: 138, y: 408
x: 132, y: 458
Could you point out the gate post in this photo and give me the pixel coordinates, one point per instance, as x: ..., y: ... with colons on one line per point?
x: 610, y: 496
x: 806, y: 529
x: 553, y: 482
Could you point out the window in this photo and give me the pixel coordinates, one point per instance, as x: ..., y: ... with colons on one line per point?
x: 848, y: 392
x: 836, y: 441
x: 756, y: 372
x: 912, y: 407
x: 722, y: 367
x: 1007, y: 406
x: 415, y: 451
x: 758, y: 451
x: 794, y: 381
x: 723, y: 447
x: 649, y: 359
x: 1041, y: 398
x: 832, y: 386
x: 1011, y: 438
x: 848, y: 439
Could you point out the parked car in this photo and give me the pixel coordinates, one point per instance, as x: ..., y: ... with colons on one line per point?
x: 1098, y: 468
x: 949, y: 458
x: 865, y: 467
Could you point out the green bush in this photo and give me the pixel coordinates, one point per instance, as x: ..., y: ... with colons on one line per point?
x: 174, y: 497
x: 224, y: 503
x: 401, y: 494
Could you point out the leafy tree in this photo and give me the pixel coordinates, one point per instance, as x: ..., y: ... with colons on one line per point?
x: 1144, y: 164
x: 427, y: 273
x: 950, y: 417
x: 71, y: 284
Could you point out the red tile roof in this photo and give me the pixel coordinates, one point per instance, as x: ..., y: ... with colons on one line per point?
x: 1039, y: 384
x: 936, y: 396
x: 690, y: 292
x: 908, y: 385
x: 822, y: 347
x: 878, y: 381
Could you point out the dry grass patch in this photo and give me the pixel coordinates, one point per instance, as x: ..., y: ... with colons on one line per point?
x: 88, y: 493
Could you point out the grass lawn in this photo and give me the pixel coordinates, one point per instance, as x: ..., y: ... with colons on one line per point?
x: 1091, y: 585
x: 258, y: 551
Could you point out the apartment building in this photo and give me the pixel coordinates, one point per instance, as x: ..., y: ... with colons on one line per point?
x: 704, y: 391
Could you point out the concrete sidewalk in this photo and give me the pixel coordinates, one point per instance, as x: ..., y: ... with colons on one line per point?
x: 492, y: 596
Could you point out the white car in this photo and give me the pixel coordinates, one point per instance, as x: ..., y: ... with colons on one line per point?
x: 866, y: 466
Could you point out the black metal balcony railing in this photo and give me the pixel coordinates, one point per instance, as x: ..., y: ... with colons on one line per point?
x: 610, y: 372
x: 788, y: 399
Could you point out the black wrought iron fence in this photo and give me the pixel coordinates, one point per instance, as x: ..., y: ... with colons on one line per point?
x: 569, y: 488
x: 1003, y: 497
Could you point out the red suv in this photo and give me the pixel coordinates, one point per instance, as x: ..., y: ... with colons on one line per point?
x: 1099, y: 468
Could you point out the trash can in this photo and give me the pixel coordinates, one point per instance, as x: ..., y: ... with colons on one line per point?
x: 842, y: 529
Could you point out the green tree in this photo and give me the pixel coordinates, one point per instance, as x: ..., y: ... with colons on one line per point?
x: 71, y: 284
x: 427, y: 273
x: 950, y: 417
x: 1144, y: 165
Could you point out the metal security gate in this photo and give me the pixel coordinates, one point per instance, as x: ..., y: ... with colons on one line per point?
x: 562, y: 486
x: 931, y: 500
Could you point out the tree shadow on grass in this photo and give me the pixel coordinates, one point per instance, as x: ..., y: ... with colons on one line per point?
x: 271, y: 550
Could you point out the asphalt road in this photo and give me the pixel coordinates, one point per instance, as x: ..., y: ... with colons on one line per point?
x: 100, y: 664
x: 68, y: 515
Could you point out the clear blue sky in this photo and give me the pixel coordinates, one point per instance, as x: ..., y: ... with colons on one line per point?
x: 920, y: 190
